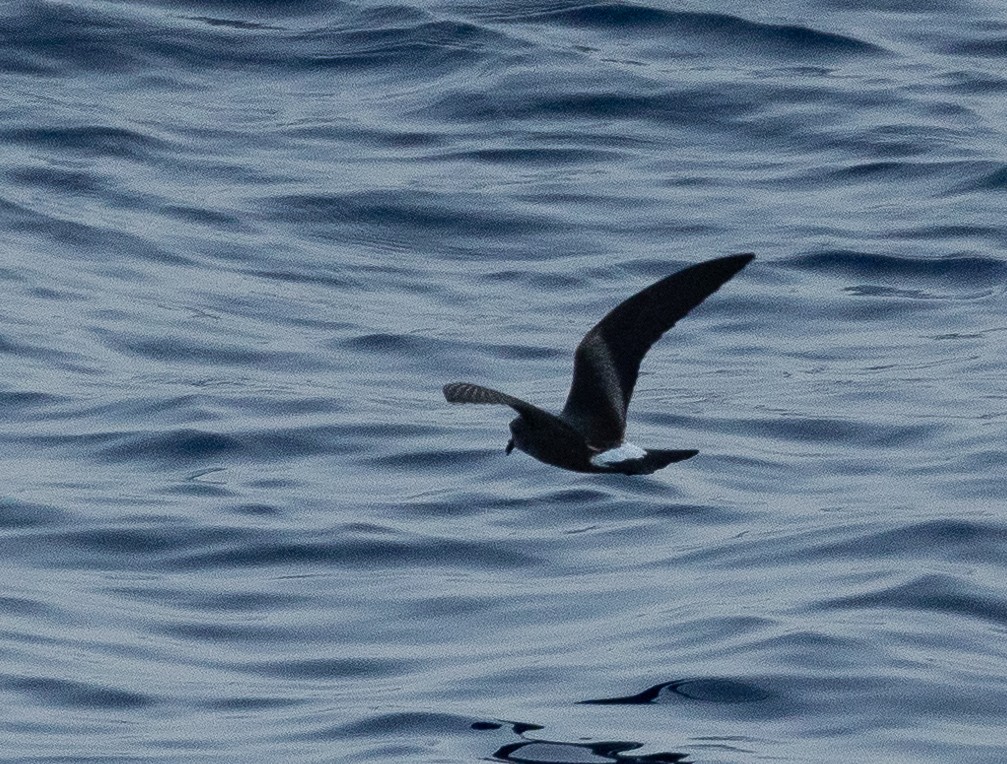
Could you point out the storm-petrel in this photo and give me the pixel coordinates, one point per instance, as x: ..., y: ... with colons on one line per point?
x: 587, y: 436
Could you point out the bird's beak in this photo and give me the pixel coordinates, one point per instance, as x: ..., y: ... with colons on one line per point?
x: 510, y: 446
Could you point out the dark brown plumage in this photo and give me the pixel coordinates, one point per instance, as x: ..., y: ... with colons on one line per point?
x: 588, y: 435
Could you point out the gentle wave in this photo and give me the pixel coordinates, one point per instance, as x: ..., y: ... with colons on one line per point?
x: 245, y: 246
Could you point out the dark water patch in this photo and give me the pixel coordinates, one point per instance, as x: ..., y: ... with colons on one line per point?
x: 872, y: 290
x: 523, y: 352
x: 15, y: 273
x: 450, y: 607
x: 913, y: 7
x: 551, y: 157
x: 994, y: 181
x: 15, y: 514
x: 187, y: 407
x: 183, y: 445
x: 824, y: 430
x: 936, y: 593
x: 514, y: 501
x: 201, y: 490
x: 92, y: 141
x: 77, y: 362
x: 422, y: 461
x: 887, y: 171
x: 580, y: 497
x: 468, y: 502
x: 968, y: 272
x: 888, y: 142
x: 415, y: 552
x: 22, y: 402
x: 208, y: 601
x: 305, y: 208
x: 608, y: 15
x: 59, y: 180
x: 218, y: 219
x: 408, y: 726
x: 699, y: 108
x: 10, y: 347
x: 325, y: 668
x: 712, y: 689
x: 428, y: 353
x: 976, y: 83
x: 400, y: 723
x: 117, y: 547
x: 87, y: 241
x: 288, y: 443
x: 968, y: 541
x: 133, y: 546
x: 930, y: 232
x: 229, y: 633
x: 274, y: 483
x: 25, y: 608
x: 814, y: 652
x: 394, y: 344
x: 376, y: 136
x: 81, y: 41
x: 991, y: 47
x: 310, y: 275
x: 536, y: 280
x: 725, y: 30
x: 301, y: 406
x: 738, y: 553
x: 250, y: 704
x: 486, y: 725
x: 175, y: 547
x: 410, y: 735
x: 389, y: 430
x: 237, y: 24
x: 539, y: 751
x: 271, y: 9
x: 202, y: 350
x: 430, y: 47
x: 55, y: 294
x: 414, y: 213
x: 256, y: 510
x: 66, y: 693
x: 47, y: 39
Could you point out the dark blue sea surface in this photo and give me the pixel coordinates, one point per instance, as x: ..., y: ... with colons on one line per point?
x: 242, y: 246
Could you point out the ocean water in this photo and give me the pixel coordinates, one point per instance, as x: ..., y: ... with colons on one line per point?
x: 242, y: 246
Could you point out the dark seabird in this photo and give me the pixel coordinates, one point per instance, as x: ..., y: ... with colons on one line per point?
x: 588, y: 435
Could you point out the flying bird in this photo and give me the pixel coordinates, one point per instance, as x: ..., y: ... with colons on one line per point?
x: 589, y: 434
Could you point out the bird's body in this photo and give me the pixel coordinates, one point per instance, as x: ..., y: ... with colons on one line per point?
x: 589, y: 434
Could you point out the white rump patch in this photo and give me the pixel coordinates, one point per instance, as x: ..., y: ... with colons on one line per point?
x: 619, y: 454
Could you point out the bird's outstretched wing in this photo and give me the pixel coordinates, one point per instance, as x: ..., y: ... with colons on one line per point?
x: 466, y: 392
x: 607, y: 360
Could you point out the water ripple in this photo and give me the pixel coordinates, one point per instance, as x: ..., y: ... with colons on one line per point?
x: 246, y: 244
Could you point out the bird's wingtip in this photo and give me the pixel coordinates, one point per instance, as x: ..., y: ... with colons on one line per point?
x: 734, y: 263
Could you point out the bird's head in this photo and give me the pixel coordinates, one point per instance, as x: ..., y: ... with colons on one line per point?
x: 518, y: 428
